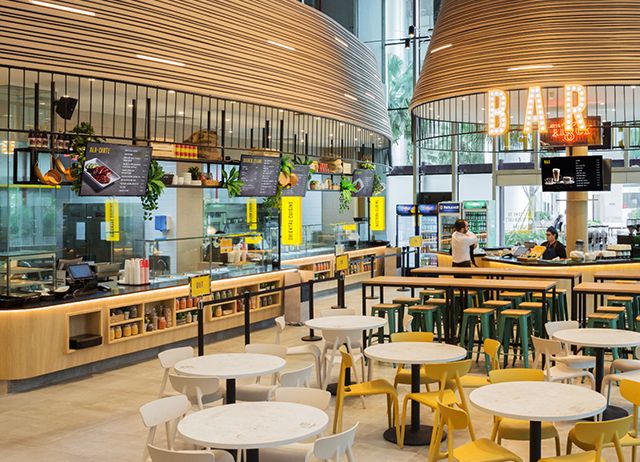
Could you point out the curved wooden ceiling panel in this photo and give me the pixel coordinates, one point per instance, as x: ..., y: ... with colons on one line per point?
x: 475, y: 42
x: 273, y: 52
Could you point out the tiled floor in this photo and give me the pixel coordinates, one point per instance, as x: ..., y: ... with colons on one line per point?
x: 96, y: 418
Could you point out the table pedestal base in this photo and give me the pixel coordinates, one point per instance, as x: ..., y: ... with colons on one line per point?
x: 611, y: 413
x: 419, y: 437
x: 253, y: 455
x: 535, y: 441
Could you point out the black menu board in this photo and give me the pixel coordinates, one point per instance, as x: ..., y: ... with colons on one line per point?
x: 363, y: 181
x: 115, y: 170
x: 300, y: 189
x: 259, y: 175
x: 579, y: 173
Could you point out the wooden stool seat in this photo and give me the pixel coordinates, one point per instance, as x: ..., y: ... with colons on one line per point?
x: 531, y: 305
x: 431, y: 292
x: 436, y: 301
x: 611, y: 309
x: 618, y: 298
x: 479, y: 311
x: 512, y: 294
x: 496, y: 303
x: 406, y: 300
x: 603, y: 316
x: 515, y: 312
x: 423, y: 308
x: 550, y: 293
x: 386, y: 306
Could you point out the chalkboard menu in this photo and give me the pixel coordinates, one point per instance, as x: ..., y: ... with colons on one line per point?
x: 300, y: 189
x: 115, y: 170
x: 579, y: 173
x: 363, y: 181
x: 259, y: 175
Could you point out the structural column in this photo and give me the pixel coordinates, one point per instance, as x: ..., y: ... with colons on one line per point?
x: 577, y: 208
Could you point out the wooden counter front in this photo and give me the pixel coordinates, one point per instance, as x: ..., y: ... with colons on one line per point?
x: 34, y: 342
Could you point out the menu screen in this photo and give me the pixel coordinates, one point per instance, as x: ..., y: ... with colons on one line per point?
x: 580, y: 173
x: 363, y: 182
x: 259, y: 175
x: 301, y: 173
x: 115, y: 170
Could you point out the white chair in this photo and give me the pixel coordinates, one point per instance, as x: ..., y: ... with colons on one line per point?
x: 308, y: 349
x: 622, y: 368
x: 626, y: 365
x: 406, y: 323
x: 199, y: 390
x: 335, y: 339
x: 250, y: 389
x: 168, y: 455
x: 168, y: 359
x: 310, y: 396
x: 574, y: 361
x: 552, y: 351
x: 328, y: 448
x: 296, y: 378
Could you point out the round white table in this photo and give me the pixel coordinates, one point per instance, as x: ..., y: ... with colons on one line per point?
x: 340, y: 326
x: 600, y: 340
x: 230, y: 366
x: 538, y: 402
x: 416, y: 354
x: 253, y: 426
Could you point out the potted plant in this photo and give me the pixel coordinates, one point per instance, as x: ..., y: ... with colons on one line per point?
x: 346, y: 191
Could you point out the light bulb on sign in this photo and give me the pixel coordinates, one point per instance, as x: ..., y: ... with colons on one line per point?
x: 498, y: 121
x: 535, y: 111
x: 574, y: 111
x: 8, y: 147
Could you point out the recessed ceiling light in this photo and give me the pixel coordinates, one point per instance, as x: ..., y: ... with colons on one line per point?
x: 530, y: 66
x: 330, y: 135
x: 443, y: 47
x: 161, y: 60
x: 129, y: 105
x: 63, y: 8
x: 281, y: 45
x: 171, y: 92
x: 341, y: 124
x: 355, y: 139
x: 369, y: 95
x: 633, y: 87
x: 613, y: 110
x: 92, y: 80
x: 341, y: 42
x: 601, y: 103
x: 227, y: 120
x: 482, y: 109
x: 351, y: 97
x: 230, y: 131
x: 280, y: 110
x: 317, y: 118
x: 180, y: 112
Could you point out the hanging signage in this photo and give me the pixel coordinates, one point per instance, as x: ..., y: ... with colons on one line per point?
x: 377, y: 218
x: 579, y: 173
x: 291, y: 210
x: 428, y: 210
x: 363, y: 182
x: 226, y: 245
x: 342, y: 262
x: 112, y: 217
x: 301, y: 173
x: 557, y: 136
x: 405, y: 210
x: 259, y: 175
x: 415, y: 241
x: 252, y: 213
x: 199, y: 286
x: 448, y: 207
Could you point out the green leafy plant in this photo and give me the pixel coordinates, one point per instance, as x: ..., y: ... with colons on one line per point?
x: 286, y: 173
x: 231, y: 180
x: 346, y: 194
x: 81, y: 135
x: 195, y: 172
x: 155, y: 187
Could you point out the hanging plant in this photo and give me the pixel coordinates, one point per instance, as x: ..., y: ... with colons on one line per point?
x: 378, y: 185
x: 346, y: 194
x: 81, y: 135
x: 155, y: 187
x: 231, y: 181
x: 286, y: 179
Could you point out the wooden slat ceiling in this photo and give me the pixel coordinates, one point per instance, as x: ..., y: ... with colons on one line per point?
x: 588, y: 42
x: 223, y: 45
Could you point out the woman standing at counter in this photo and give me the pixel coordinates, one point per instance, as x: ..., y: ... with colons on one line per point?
x: 554, y: 247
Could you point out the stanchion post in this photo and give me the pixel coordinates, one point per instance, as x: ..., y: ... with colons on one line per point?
x: 403, y: 268
x: 200, y: 328
x: 312, y: 337
x: 341, y: 296
x: 246, y: 297
x: 372, y: 295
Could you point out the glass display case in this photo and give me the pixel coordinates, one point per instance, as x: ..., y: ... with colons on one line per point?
x: 27, y: 272
x: 220, y: 255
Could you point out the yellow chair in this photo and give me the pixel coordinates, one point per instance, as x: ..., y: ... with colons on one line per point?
x: 491, y: 349
x: 514, y: 429
x: 481, y: 450
x: 442, y: 373
x: 372, y: 387
x: 630, y: 390
x: 403, y: 375
x: 594, y: 436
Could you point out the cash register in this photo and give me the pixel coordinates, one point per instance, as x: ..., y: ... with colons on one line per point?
x: 81, y: 279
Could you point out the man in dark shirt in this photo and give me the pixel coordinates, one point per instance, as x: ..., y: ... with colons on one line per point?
x: 554, y: 247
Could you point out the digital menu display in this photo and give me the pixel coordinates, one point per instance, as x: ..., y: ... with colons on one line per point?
x: 363, y: 182
x: 579, y: 173
x: 556, y: 135
x: 259, y: 175
x: 115, y: 170
x: 301, y: 173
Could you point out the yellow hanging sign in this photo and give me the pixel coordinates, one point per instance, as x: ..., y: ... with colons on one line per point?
x: 112, y: 218
x: 226, y: 245
x: 342, y: 262
x: 252, y: 213
x: 200, y: 286
x: 291, y: 211
x: 415, y: 241
x: 377, y: 214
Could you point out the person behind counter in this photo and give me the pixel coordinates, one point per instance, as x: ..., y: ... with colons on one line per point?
x: 463, y: 242
x: 554, y: 247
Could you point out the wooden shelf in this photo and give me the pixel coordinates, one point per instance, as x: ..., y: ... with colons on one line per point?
x: 126, y: 321
x: 123, y: 339
x: 190, y: 160
x: 195, y: 186
x: 187, y: 309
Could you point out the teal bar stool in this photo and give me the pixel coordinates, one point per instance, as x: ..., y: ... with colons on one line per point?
x: 515, y: 297
x: 562, y: 306
x: 430, y: 294
x: 520, y: 319
x: 536, y: 309
x: 426, y: 318
x: 606, y: 320
x: 628, y: 303
x: 404, y: 303
x: 472, y: 319
x: 498, y: 305
x: 621, y: 311
x: 390, y: 311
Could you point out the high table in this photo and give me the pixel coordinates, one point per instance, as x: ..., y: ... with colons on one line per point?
x: 600, y: 340
x: 416, y: 354
x: 600, y: 288
x: 546, y: 287
x: 340, y: 326
x: 616, y: 275
x: 253, y: 426
x: 537, y: 402
x: 231, y: 366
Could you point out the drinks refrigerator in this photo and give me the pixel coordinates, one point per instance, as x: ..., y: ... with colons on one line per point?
x: 428, y: 216
x: 448, y: 213
x: 405, y: 223
x: 481, y: 216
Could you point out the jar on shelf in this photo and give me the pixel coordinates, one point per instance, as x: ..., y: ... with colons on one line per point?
x: 189, y: 317
x: 112, y: 333
x: 117, y: 333
x: 134, y: 329
x: 126, y: 330
x: 218, y: 311
x: 183, y: 303
x: 133, y: 312
x: 189, y: 302
x: 162, y: 323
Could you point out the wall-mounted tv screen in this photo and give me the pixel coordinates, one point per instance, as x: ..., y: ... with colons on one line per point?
x: 576, y: 173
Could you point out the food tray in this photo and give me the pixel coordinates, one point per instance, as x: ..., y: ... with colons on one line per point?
x: 91, y: 181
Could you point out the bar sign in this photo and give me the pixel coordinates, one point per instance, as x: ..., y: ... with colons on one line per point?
x: 200, y: 286
x: 252, y: 213
x: 112, y: 218
x: 291, y: 208
x: 376, y: 210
